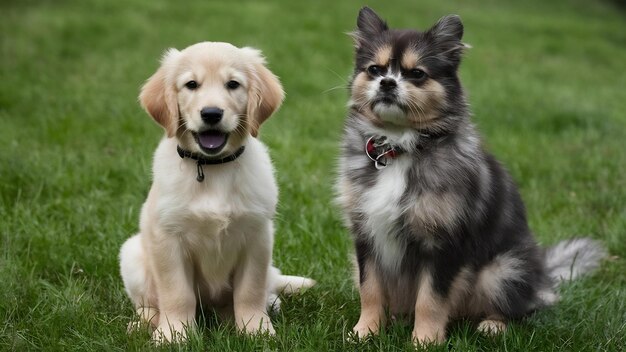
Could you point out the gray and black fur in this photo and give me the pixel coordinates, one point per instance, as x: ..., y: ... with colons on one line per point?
x: 445, y: 213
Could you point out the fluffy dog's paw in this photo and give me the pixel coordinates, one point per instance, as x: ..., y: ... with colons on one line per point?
x: 491, y: 327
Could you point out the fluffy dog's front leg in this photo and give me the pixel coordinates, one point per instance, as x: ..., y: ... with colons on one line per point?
x: 174, y: 283
x: 372, y: 302
x: 250, y: 284
x: 431, y: 314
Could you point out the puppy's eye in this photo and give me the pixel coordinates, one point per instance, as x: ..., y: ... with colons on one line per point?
x: 191, y: 85
x: 418, y: 74
x: 232, y: 84
x: 375, y: 70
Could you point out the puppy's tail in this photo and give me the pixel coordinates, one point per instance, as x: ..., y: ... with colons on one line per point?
x: 570, y: 259
x: 288, y: 284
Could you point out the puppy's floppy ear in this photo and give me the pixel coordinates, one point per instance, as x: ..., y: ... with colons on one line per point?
x: 447, y: 34
x: 158, y: 95
x: 368, y: 24
x: 265, y: 93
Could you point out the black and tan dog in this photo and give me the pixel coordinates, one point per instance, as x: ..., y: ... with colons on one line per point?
x: 439, y: 227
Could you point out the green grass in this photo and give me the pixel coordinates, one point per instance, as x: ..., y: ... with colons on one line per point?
x: 546, y: 81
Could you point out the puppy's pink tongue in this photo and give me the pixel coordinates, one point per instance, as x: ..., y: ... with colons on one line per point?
x: 212, y: 139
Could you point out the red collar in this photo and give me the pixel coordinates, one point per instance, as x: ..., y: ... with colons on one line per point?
x: 381, y: 151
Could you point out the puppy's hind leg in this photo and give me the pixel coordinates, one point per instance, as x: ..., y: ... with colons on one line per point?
x: 137, y: 283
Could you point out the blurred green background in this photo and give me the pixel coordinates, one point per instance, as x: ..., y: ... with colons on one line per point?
x: 545, y: 79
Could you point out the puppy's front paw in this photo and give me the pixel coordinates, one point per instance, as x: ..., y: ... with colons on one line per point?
x: 258, y: 323
x: 169, y: 334
x: 365, y: 329
x: 136, y: 325
x: 147, y: 318
x: 426, y: 336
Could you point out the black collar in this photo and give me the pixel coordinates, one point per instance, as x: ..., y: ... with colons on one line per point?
x: 202, y: 160
x: 426, y: 140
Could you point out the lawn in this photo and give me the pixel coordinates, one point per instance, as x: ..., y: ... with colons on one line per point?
x: 546, y: 81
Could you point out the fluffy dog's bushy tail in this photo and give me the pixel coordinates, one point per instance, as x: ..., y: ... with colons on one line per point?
x: 570, y: 259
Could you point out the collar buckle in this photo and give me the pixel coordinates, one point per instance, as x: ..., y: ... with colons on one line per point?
x: 381, y: 151
x: 202, y: 160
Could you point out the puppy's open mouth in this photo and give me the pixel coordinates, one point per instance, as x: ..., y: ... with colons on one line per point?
x: 211, y: 141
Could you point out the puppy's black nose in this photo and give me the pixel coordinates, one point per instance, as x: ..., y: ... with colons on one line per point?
x: 211, y: 115
x: 388, y: 84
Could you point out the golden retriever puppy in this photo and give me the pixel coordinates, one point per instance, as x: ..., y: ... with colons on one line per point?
x: 206, y: 231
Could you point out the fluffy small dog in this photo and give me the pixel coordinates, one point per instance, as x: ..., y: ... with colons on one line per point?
x: 206, y: 231
x: 439, y: 227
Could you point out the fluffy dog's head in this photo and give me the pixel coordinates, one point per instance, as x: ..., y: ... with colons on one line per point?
x: 407, y: 78
x: 211, y: 96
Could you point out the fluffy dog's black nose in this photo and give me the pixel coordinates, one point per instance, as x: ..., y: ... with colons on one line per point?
x: 387, y: 84
x: 211, y: 115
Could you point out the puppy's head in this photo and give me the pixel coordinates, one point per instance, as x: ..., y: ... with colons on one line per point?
x: 406, y: 77
x: 211, y: 96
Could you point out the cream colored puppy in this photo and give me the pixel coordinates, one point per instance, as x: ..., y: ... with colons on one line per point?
x: 206, y: 229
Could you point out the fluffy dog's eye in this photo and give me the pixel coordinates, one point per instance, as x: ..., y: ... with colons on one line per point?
x: 232, y: 84
x: 191, y: 85
x: 418, y: 74
x: 375, y: 70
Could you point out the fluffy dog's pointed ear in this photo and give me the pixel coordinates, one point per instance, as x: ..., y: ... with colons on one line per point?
x: 368, y: 24
x: 449, y: 27
x: 447, y: 34
x: 158, y: 95
x: 265, y: 93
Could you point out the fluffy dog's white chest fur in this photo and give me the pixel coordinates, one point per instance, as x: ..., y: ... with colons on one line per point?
x: 381, y: 205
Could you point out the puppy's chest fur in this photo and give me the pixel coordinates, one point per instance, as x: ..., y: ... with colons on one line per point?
x: 231, y: 194
x: 204, y: 214
x: 214, y: 219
